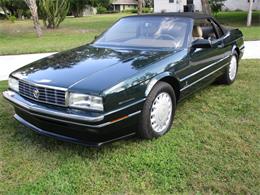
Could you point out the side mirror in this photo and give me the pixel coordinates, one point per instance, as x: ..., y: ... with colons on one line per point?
x: 201, y: 43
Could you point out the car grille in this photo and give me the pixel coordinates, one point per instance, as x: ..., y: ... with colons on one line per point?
x: 42, y: 94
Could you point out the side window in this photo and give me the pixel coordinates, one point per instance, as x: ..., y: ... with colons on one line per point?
x: 218, y: 29
x: 203, y: 29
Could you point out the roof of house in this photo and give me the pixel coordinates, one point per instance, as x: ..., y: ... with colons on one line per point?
x: 179, y: 14
x: 124, y: 2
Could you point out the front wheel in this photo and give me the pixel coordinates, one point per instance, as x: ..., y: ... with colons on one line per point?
x: 158, y: 112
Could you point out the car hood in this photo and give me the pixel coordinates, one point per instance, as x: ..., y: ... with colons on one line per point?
x: 97, y: 68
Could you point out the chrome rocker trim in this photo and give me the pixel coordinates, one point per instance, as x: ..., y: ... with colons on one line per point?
x: 186, y: 87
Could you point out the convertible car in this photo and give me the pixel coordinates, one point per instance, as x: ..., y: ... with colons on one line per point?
x: 128, y: 81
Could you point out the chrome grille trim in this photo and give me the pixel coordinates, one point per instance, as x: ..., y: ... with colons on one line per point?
x: 47, y: 94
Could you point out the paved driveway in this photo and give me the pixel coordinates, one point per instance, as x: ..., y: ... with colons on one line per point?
x: 10, y: 63
x: 252, y: 50
x: 13, y: 62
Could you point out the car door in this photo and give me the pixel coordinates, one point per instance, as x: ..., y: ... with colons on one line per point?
x: 222, y: 44
x: 204, y: 63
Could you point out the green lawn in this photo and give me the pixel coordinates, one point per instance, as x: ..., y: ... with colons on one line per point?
x: 238, y: 19
x: 19, y: 37
x: 213, y: 148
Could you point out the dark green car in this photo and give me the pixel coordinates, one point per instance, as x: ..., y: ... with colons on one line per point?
x: 128, y: 81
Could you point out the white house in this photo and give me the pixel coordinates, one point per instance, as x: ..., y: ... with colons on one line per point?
x: 121, y: 5
x: 241, y: 5
x: 178, y: 5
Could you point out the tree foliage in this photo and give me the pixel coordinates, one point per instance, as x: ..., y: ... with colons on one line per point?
x: 103, y: 3
x: 77, y: 6
x: 53, y: 12
x: 15, y: 8
x: 148, y: 3
x: 216, y: 5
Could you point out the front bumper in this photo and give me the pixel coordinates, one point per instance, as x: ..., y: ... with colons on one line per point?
x: 88, y: 128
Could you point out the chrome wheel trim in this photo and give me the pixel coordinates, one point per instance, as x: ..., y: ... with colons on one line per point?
x: 161, y: 112
x: 233, y: 68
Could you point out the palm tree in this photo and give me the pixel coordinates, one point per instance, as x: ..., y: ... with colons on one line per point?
x: 140, y: 6
x: 33, y: 8
x: 249, y: 16
x: 206, y: 7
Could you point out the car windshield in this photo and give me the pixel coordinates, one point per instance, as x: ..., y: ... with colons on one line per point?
x: 148, y: 32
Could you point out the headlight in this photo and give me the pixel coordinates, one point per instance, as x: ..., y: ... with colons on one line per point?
x: 13, y: 84
x: 84, y: 101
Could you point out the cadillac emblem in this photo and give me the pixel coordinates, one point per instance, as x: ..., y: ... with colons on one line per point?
x: 36, y: 93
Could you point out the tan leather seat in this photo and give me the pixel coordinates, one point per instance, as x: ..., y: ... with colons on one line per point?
x: 197, y: 32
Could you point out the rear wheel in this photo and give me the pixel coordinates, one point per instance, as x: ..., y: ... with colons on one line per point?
x: 158, y: 111
x: 231, y: 71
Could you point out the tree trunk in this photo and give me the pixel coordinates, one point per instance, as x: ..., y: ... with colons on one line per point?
x: 249, y: 16
x: 33, y: 8
x: 206, y: 9
x: 140, y: 6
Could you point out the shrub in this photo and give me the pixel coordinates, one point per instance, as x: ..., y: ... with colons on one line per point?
x: 54, y: 12
x: 12, y: 18
x: 147, y: 10
x: 238, y: 10
x: 101, y: 10
x: 112, y: 12
x: 130, y: 11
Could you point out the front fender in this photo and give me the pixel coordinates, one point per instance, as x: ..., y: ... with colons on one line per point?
x: 157, y: 78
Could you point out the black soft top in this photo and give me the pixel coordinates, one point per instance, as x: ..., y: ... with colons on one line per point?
x: 192, y: 15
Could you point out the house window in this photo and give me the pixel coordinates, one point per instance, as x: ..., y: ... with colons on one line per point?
x: 171, y: 1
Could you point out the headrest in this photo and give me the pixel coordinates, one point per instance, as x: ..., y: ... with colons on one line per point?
x: 197, y: 31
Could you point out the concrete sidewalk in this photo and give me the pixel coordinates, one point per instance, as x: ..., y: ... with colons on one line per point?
x: 12, y: 62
